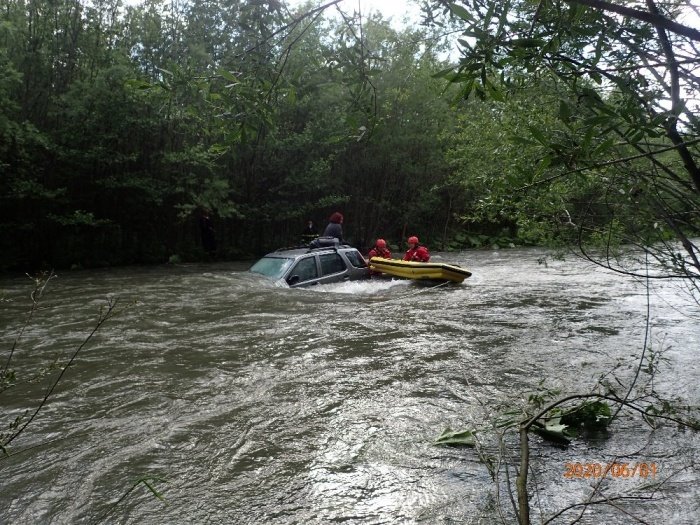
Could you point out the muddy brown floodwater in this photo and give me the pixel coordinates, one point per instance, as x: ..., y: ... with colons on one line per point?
x: 261, y: 405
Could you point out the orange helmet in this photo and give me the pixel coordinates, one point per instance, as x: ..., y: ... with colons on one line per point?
x: 413, y: 240
x: 381, y: 243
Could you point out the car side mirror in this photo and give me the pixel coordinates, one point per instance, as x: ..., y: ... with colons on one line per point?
x: 294, y: 279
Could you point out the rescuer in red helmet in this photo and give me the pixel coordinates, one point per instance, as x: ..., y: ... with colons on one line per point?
x: 415, y: 251
x: 379, y: 250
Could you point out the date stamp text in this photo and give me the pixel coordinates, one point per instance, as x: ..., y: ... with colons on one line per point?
x: 609, y: 470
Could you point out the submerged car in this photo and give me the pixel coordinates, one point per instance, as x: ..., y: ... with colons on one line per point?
x: 322, y: 262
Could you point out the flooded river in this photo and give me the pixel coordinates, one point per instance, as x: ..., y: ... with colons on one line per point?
x: 242, y: 403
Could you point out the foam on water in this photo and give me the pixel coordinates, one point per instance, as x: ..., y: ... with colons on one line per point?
x: 368, y: 287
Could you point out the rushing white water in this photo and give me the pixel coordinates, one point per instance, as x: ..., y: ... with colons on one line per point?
x: 261, y: 404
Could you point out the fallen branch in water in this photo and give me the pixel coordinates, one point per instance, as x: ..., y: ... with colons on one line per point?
x: 17, y: 427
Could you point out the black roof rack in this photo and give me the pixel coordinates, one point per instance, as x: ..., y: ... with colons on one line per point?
x: 325, y: 243
x: 320, y: 243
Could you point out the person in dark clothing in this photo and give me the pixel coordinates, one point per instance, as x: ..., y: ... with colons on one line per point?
x: 335, y: 227
x: 309, y: 233
x: 206, y: 228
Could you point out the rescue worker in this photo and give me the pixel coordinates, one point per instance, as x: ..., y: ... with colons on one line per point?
x: 415, y: 251
x: 379, y: 250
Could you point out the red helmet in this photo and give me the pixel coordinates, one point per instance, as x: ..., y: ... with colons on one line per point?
x: 413, y: 240
x: 381, y: 243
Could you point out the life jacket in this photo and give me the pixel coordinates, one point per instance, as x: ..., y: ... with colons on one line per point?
x: 419, y: 253
x: 379, y: 252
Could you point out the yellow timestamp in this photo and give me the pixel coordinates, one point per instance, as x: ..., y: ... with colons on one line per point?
x: 612, y: 470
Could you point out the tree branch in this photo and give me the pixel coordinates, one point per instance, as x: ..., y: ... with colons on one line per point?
x: 656, y: 20
x: 104, y: 316
x: 39, y: 286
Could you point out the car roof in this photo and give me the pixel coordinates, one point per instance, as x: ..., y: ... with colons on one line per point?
x: 298, y: 251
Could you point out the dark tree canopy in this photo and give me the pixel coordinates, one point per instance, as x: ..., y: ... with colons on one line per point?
x: 559, y: 123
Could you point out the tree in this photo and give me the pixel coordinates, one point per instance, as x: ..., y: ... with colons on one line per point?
x: 612, y: 154
x: 625, y: 114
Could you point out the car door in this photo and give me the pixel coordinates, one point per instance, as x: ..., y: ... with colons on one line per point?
x: 333, y: 268
x: 304, y: 272
x: 357, y: 266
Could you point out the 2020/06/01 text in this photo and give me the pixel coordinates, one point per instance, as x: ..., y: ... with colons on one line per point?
x: 614, y: 470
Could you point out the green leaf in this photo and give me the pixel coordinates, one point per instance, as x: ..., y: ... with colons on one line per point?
x: 592, y: 416
x: 553, y: 430
x: 218, y: 149
x: 445, y: 73
x: 598, y: 119
x: 603, y: 147
x: 474, y: 34
x: 228, y: 75
x: 461, y: 12
x: 292, y: 96
x: 462, y: 438
x: 489, y: 15
x: 538, y: 135
x: 595, y: 77
x: 564, y: 111
x: 636, y: 136
x: 138, y: 84
x: 494, y: 92
x: 522, y: 140
x: 542, y: 166
x: 527, y: 42
x: 467, y: 88
x: 464, y: 43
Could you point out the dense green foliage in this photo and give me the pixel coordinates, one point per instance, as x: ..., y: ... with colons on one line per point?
x: 609, y: 93
x: 120, y: 125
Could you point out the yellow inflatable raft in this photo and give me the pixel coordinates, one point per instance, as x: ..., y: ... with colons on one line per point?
x: 419, y: 270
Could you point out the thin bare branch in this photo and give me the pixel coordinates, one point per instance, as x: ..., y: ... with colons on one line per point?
x: 103, y: 317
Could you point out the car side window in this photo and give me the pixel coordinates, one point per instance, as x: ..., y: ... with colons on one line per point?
x: 305, y: 269
x: 331, y: 263
x: 356, y: 259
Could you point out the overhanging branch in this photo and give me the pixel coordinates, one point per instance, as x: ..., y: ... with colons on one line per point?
x: 658, y: 21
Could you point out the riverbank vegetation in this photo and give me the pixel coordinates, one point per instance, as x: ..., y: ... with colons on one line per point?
x: 553, y: 125
x: 610, y: 158
x: 515, y: 458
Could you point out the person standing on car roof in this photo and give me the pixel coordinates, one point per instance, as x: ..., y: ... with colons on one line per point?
x: 335, y: 227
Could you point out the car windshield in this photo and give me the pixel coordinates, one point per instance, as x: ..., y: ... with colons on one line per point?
x: 273, y: 267
x: 356, y: 259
